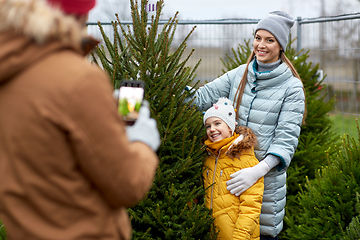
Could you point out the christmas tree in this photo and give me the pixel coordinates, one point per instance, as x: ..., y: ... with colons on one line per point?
x: 2, y: 231
x: 317, y: 134
x: 353, y: 230
x: 174, y: 207
x: 330, y: 202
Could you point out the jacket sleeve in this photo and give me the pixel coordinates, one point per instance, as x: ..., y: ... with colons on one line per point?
x: 122, y: 171
x: 208, y: 94
x: 288, y: 127
x: 249, y: 212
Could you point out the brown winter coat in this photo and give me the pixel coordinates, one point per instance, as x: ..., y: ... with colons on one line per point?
x: 67, y: 170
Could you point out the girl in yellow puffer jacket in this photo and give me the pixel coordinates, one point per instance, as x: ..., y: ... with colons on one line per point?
x: 230, y: 149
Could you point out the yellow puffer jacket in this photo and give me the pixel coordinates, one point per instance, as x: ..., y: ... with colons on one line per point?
x: 235, y: 217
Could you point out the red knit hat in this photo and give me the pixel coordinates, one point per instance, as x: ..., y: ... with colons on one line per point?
x: 74, y: 6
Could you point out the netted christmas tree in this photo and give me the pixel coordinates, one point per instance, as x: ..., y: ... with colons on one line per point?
x: 174, y: 207
x: 317, y: 134
x: 330, y: 202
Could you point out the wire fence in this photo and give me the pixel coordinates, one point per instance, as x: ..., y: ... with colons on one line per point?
x: 333, y: 42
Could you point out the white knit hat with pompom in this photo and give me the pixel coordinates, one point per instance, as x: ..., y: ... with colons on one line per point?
x: 224, y: 110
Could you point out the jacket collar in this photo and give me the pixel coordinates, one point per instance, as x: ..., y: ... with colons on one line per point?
x: 268, y: 79
x: 222, y: 145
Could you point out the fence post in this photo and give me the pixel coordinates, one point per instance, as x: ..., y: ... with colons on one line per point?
x: 298, y: 37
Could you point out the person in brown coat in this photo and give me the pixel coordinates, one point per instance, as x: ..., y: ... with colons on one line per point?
x: 68, y: 165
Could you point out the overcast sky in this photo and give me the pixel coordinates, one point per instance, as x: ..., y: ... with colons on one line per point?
x: 219, y: 9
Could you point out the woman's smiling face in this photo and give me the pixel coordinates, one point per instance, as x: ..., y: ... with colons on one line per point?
x: 266, y: 47
x: 217, y: 129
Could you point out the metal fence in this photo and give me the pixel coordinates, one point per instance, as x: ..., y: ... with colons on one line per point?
x: 333, y: 42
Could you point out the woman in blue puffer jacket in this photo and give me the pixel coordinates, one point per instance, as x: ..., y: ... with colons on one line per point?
x: 270, y: 98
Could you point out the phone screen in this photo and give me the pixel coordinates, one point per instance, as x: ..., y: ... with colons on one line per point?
x: 131, y: 94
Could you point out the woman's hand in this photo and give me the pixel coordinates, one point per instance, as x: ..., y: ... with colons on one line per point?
x: 242, y: 180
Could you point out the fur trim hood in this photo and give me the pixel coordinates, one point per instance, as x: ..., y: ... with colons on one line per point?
x: 25, y: 17
x: 245, y: 141
x: 31, y: 29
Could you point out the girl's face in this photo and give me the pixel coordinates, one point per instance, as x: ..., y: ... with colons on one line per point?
x: 267, y: 49
x: 217, y: 129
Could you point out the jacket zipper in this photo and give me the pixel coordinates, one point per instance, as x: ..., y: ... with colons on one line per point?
x: 213, y: 180
x: 220, y: 181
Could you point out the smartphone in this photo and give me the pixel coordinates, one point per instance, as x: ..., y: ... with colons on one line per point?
x: 131, y: 95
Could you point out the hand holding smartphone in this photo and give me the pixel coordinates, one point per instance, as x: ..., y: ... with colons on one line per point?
x: 131, y: 95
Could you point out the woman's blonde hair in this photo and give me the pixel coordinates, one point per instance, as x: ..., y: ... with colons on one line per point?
x: 240, y: 90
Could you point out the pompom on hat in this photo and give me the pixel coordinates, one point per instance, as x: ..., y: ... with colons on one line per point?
x: 278, y: 23
x: 80, y: 7
x: 224, y: 110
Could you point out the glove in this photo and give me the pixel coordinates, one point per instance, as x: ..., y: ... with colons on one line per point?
x: 242, y: 180
x: 144, y: 129
x: 191, y: 90
x: 116, y: 94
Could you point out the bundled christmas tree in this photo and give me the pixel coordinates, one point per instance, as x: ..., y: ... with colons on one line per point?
x: 174, y: 207
x: 330, y: 202
x: 317, y: 134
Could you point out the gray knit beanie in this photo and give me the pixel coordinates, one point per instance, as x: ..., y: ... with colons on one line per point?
x: 278, y: 23
x: 224, y: 110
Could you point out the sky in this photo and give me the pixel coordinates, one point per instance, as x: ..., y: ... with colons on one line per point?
x: 221, y: 9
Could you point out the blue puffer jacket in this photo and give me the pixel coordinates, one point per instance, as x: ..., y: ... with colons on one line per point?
x: 272, y: 107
